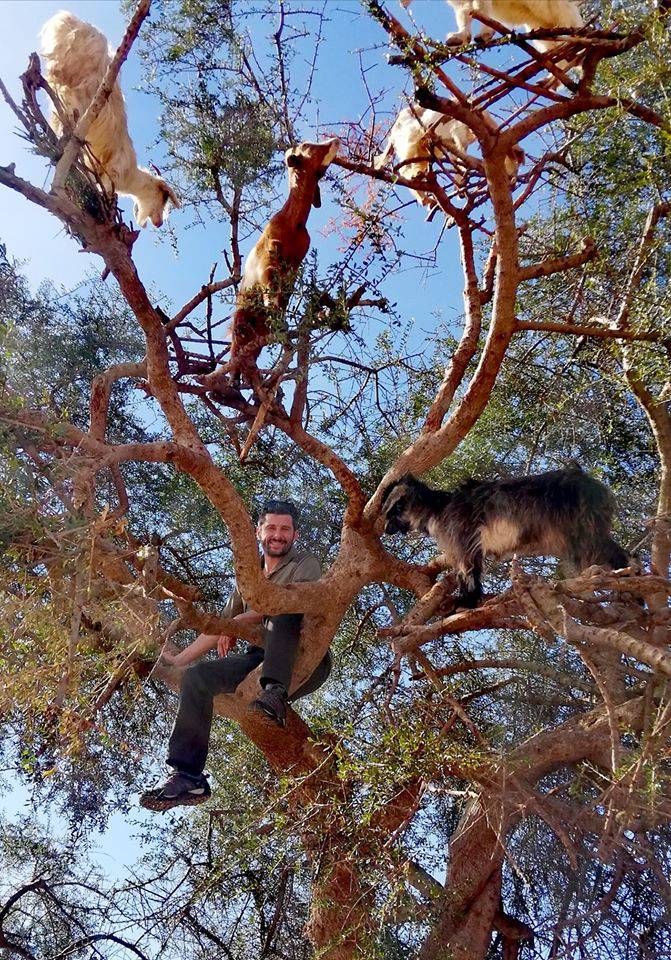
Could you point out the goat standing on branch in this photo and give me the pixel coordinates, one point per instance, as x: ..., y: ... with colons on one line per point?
x: 530, y: 14
x: 271, y: 267
x: 562, y: 513
x: 77, y: 56
x: 419, y: 134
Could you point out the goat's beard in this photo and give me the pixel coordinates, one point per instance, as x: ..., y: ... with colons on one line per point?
x: 397, y: 525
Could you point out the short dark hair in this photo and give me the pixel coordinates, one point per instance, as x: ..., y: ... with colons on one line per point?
x: 280, y: 506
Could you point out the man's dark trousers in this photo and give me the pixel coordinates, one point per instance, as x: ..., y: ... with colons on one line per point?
x: 187, y: 749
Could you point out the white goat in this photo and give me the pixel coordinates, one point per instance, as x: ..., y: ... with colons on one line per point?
x: 77, y: 56
x: 417, y: 132
x: 530, y: 14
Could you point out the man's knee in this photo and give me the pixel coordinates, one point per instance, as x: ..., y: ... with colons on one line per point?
x: 284, y: 624
x: 193, y: 681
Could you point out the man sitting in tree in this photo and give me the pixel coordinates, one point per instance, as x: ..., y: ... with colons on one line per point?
x: 277, y: 532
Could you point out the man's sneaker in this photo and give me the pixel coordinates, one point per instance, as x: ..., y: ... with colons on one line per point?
x: 179, y: 790
x: 273, y: 703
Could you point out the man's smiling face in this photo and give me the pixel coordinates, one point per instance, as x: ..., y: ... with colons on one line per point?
x: 276, y: 534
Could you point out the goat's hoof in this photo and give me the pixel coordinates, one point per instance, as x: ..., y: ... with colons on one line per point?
x: 456, y: 40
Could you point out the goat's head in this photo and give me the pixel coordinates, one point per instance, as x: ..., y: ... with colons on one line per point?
x: 152, y: 198
x: 514, y: 160
x: 307, y: 164
x: 398, y: 499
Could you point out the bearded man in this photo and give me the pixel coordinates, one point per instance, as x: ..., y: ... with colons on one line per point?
x: 277, y: 532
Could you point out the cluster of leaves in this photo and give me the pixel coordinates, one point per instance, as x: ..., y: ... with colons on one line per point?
x: 220, y: 128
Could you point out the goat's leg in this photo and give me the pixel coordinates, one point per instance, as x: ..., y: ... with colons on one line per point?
x: 469, y: 582
x: 551, y: 82
x: 464, y: 16
x: 484, y: 7
x: 381, y: 159
x: 424, y: 199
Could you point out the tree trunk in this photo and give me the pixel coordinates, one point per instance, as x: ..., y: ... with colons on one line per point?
x: 465, y: 922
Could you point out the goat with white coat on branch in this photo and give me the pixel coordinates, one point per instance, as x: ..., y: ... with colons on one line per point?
x: 418, y: 134
x: 77, y: 56
x: 530, y: 14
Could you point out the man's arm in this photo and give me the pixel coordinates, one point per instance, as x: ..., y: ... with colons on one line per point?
x: 200, y: 646
x: 234, y: 605
x: 233, y: 610
x: 226, y: 641
x: 307, y: 570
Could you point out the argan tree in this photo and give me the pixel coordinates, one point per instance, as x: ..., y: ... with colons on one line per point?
x: 473, y: 783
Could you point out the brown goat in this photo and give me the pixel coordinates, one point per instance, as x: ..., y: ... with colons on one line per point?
x: 271, y: 267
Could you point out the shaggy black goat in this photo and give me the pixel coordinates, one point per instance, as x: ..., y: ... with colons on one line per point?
x: 562, y: 513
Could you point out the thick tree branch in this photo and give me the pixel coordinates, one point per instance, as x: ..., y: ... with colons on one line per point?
x: 101, y: 390
x: 559, y: 264
x: 656, y: 411
x: 468, y: 344
x: 589, y: 330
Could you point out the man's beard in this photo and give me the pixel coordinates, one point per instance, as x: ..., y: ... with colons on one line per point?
x: 276, y: 549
